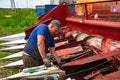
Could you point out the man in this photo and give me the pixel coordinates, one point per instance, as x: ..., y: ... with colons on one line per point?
x: 38, y: 43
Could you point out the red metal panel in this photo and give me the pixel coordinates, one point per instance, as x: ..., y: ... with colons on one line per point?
x: 69, y: 45
x: 111, y: 76
x: 107, y: 29
x: 115, y: 8
x: 59, y: 12
x: 92, y: 58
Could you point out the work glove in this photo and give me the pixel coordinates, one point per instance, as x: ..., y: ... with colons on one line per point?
x: 47, y: 63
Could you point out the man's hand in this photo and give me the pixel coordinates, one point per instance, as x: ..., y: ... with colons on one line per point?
x: 47, y: 63
x: 54, y: 55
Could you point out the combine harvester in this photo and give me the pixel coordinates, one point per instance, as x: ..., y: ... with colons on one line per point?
x: 89, y: 46
x: 15, y: 56
x: 15, y: 64
x: 14, y: 48
x: 13, y: 37
x: 39, y: 73
x: 14, y: 42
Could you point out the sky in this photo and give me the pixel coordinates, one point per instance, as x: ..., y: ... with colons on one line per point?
x: 25, y: 3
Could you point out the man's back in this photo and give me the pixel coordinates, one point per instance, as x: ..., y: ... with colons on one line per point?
x: 31, y: 46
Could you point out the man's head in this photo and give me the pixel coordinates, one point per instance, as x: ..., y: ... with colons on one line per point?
x: 55, y: 27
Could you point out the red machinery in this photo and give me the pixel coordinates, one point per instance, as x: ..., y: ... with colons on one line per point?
x: 89, y: 46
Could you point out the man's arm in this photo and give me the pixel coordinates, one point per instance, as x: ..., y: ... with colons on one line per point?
x: 41, y: 46
x: 54, y: 55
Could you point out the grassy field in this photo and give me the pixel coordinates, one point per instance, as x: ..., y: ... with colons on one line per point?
x: 11, y: 23
x: 16, y: 22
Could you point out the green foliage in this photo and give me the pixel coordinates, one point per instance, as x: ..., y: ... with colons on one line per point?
x: 17, y: 21
x: 4, y: 54
x: 8, y: 72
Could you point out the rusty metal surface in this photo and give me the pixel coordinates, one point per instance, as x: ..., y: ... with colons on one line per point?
x: 69, y: 45
x: 112, y: 76
x: 92, y: 58
x: 99, y: 27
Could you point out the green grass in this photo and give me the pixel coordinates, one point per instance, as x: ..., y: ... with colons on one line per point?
x: 16, y: 22
x: 8, y: 72
x: 3, y: 54
x: 11, y: 23
x: 5, y: 72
